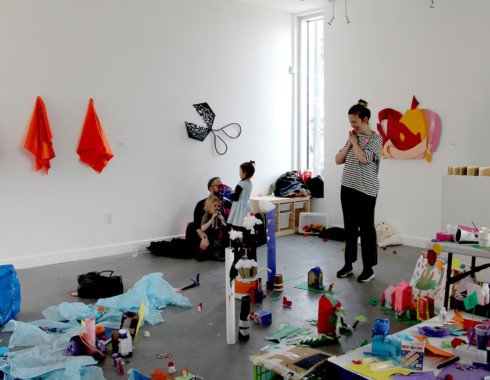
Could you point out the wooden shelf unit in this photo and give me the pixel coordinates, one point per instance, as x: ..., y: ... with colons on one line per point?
x: 287, y: 211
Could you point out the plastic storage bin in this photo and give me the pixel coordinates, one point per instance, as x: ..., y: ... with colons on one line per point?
x: 284, y: 219
x: 306, y: 219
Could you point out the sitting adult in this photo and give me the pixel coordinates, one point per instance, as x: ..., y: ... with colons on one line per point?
x: 196, y: 237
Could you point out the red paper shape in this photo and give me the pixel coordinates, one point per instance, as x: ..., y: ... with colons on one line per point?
x: 93, y: 147
x: 38, y: 140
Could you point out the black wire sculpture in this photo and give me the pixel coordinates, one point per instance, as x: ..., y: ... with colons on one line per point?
x: 200, y: 133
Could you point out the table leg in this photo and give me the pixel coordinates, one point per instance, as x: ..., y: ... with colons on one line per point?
x: 473, y: 264
x: 448, y: 279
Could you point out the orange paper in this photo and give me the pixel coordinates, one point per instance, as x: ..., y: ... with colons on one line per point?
x: 38, y: 140
x: 431, y: 348
x: 93, y: 147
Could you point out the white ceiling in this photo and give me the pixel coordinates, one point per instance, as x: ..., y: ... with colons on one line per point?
x: 290, y: 6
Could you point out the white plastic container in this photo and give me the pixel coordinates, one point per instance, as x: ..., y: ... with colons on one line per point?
x: 306, y: 219
x: 284, y: 218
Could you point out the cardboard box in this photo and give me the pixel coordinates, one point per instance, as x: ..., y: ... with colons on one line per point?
x: 412, y: 355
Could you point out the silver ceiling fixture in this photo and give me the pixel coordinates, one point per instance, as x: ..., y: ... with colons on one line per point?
x: 333, y: 12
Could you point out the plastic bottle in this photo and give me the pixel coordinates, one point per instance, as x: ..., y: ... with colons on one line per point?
x: 443, y: 315
x: 485, y: 291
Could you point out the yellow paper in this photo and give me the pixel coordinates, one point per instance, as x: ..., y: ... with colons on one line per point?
x: 456, y: 264
x: 416, y: 122
x: 365, y: 369
x: 141, y: 314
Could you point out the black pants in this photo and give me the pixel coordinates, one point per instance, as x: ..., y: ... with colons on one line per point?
x: 358, y: 211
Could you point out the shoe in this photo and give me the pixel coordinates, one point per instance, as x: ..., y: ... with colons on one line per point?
x: 345, y: 271
x: 217, y: 257
x: 366, y: 276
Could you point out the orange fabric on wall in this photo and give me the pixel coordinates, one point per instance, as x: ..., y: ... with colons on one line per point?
x: 38, y: 140
x: 93, y: 147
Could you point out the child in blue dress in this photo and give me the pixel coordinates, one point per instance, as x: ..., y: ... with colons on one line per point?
x: 241, y: 206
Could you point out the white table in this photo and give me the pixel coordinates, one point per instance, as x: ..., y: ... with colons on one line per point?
x: 464, y: 250
x: 430, y: 362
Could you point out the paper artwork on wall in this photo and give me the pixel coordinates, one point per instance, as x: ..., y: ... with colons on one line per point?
x: 200, y: 133
x: 93, y: 147
x: 414, y: 134
x: 38, y: 140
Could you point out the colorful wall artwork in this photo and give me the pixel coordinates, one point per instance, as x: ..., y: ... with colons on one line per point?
x: 414, y: 134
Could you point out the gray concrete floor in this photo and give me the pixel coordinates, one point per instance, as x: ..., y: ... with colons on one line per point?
x: 198, y: 339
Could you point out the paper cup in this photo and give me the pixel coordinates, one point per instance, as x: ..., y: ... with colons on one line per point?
x: 463, y: 236
x: 451, y: 228
x: 482, y: 335
x: 484, y: 238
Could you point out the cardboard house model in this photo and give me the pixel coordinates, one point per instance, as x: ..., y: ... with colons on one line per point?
x: 403, y: 297
x: 387, y: 298
x: 315, y: 278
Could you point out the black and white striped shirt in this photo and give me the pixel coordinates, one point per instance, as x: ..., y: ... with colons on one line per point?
x: 364, y: 177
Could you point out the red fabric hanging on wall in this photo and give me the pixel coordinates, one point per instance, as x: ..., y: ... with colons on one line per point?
x: 38, y: 140
x: 93, y: 147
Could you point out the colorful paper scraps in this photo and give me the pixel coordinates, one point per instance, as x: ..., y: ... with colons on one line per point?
x: 38, y: 140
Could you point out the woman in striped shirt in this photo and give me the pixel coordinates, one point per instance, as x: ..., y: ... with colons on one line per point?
x: 361, y: 157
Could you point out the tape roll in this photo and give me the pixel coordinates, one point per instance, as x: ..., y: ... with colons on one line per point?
x: 450, y: 170
x: 457, y: 170
x: 473, y: 170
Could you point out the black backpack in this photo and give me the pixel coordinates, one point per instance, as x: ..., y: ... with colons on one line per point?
x: 315, y: 185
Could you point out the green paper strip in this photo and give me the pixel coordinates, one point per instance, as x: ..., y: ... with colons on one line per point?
x: 304, y: 286
x: 360, y: 318
x: 374, y: 301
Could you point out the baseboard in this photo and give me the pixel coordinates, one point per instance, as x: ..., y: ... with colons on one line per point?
x: 414, y: 241
x: 82, y: 254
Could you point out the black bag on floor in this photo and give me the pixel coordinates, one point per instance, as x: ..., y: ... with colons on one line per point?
x: 97, y: 285
x: 333, y: 233
x: 176, y: 248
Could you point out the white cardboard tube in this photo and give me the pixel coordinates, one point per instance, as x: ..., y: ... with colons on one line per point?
x: 230, y: 298
x: 90, y: 334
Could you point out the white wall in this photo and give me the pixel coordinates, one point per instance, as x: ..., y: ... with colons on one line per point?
x: 389, y: 52
x: 144, y: 63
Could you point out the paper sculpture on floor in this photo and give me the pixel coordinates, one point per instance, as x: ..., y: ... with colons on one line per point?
x: 93, y: 147
x: 38, y: 140
x: 315, y: 278
x: 328, y: 309
x: 412, y: 135
x: 200, y: 133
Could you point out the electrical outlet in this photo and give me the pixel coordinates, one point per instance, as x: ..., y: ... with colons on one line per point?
x: 108, y: 217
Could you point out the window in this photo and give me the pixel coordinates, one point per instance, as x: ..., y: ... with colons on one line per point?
x: 310, y: 100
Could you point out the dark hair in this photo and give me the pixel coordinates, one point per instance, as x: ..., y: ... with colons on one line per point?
x: 360, y: 109
x: 211, y: 181
x: 248, y: 168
